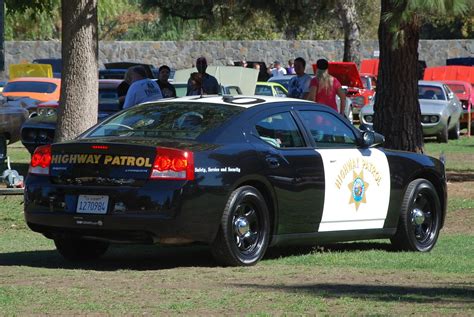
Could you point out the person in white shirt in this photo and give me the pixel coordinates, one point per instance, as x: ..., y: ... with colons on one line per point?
x: 278, y: 71
x: 142, y: 89
x: 298, y: 87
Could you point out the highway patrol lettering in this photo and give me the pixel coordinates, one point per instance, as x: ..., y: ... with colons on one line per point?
x: 357, y: 163
x: 117, y: 160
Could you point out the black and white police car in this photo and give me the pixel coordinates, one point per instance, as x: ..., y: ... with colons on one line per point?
x: 238, y: 173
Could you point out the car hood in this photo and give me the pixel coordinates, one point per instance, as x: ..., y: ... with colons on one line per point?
x: 426, y: 106
x: 463, y: 73
x: 345, y: 72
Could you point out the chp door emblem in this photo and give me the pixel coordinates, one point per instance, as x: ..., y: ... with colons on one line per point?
x: 358, y: 188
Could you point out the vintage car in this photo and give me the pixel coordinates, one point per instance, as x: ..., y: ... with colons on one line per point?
x: 282, y: 80
x: 40, y: 130
x: 270, y: 88
x: 360, y: 90
x: 461, y: 80
x: 182, y: 88
x: 440, y: 111
x: 238, y: 173
x: 30, y: 91
x: 11, y: 119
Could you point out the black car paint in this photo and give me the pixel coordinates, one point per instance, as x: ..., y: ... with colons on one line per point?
x: 192, y: 209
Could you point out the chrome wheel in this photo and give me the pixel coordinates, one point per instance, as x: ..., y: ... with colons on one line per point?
x: 246, y: 228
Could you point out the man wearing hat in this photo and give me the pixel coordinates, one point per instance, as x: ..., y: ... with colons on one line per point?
x: 324, y: 88
x: 278, y: 71
x: 210, y: 86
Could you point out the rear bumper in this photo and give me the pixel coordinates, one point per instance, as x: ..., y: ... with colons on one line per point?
x: 146, y: 214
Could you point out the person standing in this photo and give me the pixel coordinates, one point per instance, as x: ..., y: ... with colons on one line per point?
x: 290, y: 69
x: 298, y: 87
x: 142, y: 89
x: 278, y: 71
x: 210, y: 86
x: 324, y: 88
x: 167, y: 89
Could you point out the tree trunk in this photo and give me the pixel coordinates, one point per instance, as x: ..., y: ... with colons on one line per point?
x: 347, y: 12
x: 79, y: 79
x: 397, y: 110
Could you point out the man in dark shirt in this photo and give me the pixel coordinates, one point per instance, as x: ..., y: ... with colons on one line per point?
x: 167, y: 90
x: 210, y: 86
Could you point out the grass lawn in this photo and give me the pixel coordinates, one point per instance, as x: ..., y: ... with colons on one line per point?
x: 362, y: 278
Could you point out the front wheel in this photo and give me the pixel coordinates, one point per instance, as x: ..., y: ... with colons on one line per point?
x: 244, y: 230
x: 455, y: 132
x: 443, y: 135
x: 420, y: 218
x: 74, y: 249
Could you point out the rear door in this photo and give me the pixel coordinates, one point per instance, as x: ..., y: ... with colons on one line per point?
x: 293, y: 168
x: 356, y: 180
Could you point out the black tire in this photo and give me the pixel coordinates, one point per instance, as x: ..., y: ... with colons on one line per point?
x: 455, y: 132
x: 443, y: 136
x: 80, y: 249
x: 3, y: 149
x: 420, y: 218
x: 244, y: 230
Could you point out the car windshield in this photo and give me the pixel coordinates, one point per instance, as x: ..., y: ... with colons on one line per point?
x: 30, y: 86
x: 285, y: 81
x: 170, y: 120
x: 457, y: 89
x: 365, y: 81
x: 430, y: 92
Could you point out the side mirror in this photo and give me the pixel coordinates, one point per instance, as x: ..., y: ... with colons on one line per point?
x: 371, y: 139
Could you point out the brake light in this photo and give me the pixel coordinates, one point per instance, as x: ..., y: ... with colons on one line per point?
x: 41, y: 160
x: 100, y: 147
x: 173, y: 164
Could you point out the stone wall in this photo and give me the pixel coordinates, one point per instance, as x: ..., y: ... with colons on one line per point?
x: 182, y: 54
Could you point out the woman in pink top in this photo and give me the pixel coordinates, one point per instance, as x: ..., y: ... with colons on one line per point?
x: 324, y: 88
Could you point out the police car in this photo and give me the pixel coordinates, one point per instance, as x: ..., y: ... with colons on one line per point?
x: 239, y: 173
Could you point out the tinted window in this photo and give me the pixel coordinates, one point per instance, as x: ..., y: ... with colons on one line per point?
x: 169, y: 120
x: 280, y: 92
x: 30, y: 86
x: 431, y: 92
x: 327, y: 130
x: 280, y: 130
x: 108, y: 100
x: 263, y: 90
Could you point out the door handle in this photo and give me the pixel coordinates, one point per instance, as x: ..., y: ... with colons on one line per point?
x: 272, y: 162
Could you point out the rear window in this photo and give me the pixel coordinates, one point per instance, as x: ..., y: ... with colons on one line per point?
x: 457, y: 89
x: 170, y: 120
x: 30, y: 86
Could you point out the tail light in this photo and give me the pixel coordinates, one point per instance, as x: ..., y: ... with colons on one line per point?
x: 41, y: 160
x: 173, y: 164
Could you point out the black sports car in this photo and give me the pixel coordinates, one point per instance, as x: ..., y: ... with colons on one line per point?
x: 238, y: 173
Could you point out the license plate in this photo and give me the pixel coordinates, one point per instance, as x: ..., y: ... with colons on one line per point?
x: 92, y: 204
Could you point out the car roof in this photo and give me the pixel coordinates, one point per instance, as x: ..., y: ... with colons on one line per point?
x: 270, y: 83
x: 37, y: 79
x: 240, y: 100
x: 429, y: 82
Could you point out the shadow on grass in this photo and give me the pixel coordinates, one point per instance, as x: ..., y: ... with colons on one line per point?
x: 118, y: 257
x: 463, y: 295
x: 143, y: 257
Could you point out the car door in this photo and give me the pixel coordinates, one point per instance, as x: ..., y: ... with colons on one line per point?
x: 292, y: 167
x: 356, y: 179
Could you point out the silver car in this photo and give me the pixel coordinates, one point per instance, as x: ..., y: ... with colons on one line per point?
x: 11, y: 119
x: 440, y: 111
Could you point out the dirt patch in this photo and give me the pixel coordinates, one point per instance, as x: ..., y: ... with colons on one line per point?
x: 459, y: 222
x: 460, y: 176
x: 461, y: 190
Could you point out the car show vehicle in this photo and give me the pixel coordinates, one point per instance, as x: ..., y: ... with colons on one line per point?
x: 11, y: 119
x: 270, y: 88
x: 40, y: 130
x: 461, y: 81
x: 182, y: 89
x: 282, y: 80
x: 440, y: 111
x: 359, y: 89
x: 240, y: 173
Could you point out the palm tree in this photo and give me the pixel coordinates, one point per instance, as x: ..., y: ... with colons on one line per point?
x: 397, y: 110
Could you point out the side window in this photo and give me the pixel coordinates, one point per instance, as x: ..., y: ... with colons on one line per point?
x: 280, y: 130
x: 327, y: 130
x: 263, y: 90
x: 279, y: 92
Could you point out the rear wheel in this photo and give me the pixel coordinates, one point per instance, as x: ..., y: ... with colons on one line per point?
x: 244, y: 230
x: 443, y: 135
x: 455, y: 132
x: 420, y: 218
x: 80, y: 249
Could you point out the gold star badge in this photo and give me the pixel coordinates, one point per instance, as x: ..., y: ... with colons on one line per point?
x: 358, y: 187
